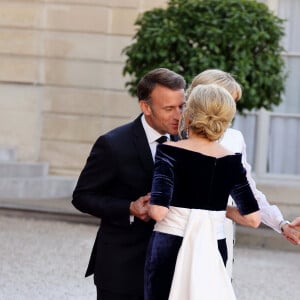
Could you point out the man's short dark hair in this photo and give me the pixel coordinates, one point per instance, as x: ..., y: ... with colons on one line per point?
x: 160, y: 76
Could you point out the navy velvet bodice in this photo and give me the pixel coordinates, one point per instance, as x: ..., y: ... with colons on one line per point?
x: 189, y: 179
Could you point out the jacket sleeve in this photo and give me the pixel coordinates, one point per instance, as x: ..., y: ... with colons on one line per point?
x: 90, y: 194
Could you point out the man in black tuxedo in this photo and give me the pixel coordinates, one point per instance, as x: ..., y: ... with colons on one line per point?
x: 115, y: 184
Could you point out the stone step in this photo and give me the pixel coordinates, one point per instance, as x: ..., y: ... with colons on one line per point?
x: 281, y: 190
x: 36, y: 187
x: 13, y: 169
x: 262, y: 237
x: 7, y: 154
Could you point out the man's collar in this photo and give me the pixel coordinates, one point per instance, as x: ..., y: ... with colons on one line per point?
x: 151, y: 133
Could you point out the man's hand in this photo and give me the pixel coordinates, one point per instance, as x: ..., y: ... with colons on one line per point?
x: 292, y: 232
x: 296, y: 223
x: 139, y: 208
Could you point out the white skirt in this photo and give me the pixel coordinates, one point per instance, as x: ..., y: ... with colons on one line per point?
x: 200, y: 272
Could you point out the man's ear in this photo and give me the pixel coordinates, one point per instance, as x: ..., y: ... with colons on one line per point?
x: 145, y: 107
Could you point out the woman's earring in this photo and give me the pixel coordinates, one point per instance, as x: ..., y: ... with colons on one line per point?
x: 186, y: 133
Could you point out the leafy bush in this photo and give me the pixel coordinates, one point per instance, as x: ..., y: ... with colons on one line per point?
x: 188, y: 36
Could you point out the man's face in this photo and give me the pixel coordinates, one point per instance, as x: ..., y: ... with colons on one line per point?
x: 162, y: 111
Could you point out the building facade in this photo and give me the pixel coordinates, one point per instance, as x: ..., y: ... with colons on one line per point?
x: 61, y: 84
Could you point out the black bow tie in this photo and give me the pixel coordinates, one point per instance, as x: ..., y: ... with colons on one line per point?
x: 162, y: 139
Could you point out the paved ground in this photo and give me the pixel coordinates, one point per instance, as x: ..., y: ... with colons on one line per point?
x: 42, y: 259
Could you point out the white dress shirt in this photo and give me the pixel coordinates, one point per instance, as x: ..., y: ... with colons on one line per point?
x: 152, y: 136
x: 234, y: 141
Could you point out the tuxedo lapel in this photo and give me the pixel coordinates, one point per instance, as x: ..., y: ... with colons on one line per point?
x: 142, y: 145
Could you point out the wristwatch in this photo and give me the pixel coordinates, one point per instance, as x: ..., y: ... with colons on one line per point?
x: 283, y: 222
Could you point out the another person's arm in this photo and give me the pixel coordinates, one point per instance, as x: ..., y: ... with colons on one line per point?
x: 294, y: 231
x: 296, y: 223
x: 270, y: 214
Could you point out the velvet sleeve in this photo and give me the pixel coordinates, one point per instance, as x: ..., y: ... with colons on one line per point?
x: 163, y: 178
x: 242, y: 193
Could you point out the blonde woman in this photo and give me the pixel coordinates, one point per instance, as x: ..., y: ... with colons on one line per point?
x: 192, y: 181
x: 234, y: 141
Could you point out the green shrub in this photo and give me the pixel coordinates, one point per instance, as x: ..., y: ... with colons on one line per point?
x: 188, y: 36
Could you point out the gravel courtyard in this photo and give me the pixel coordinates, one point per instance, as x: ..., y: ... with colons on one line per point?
x: 46, y: 259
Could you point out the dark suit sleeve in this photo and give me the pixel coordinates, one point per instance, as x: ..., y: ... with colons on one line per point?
x: 91, y: 194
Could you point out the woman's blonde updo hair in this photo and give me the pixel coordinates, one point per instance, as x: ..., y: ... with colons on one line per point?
x: 221, y: 78
x: 208, y: 112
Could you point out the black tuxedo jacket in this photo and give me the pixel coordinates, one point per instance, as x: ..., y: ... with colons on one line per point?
x: 118, y: 170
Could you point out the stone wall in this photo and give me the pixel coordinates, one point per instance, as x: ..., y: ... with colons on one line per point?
x: 61, y: 82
